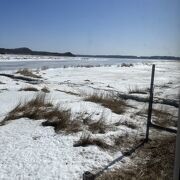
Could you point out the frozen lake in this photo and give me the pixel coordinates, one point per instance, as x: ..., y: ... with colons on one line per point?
x: 13, y: 62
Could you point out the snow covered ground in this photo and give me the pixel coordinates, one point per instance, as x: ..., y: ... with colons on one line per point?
x: 30, y: 151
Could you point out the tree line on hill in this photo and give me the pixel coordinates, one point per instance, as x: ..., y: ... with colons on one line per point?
x: 27, y: 51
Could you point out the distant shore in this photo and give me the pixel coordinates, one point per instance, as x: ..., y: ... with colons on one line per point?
x: 27, y: 51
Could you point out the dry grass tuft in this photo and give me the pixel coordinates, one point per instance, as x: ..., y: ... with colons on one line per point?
x: 153, y: 161
x: 87, y: 140
x: 125, y: 142
x: 116, y: 106
x: 61, y: 120
x: 129, y: 124
x: 138, y: 90
x: 163, y: 118
x: 45, y: 90
x: 126, y: 65
x: 27, y: 72
x: 98, y: 127
x: 95, y: 126
x: 33, y: 109
x: 160, y: 117
x: 29, y: 88
x: 39, y: 108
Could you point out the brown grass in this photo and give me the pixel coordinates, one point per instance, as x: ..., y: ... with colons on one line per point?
x: 39, y: 108
x: 33, y: 109
x: 160, y: 117
x: 124, y: 142
x: 137, y: 90
x: 129, y: 124
x: 163, y: 118
x: 45, y: 90
x: 87, y: 140
x: 27, y: 72
x: 61, y: 120
x: 116, y: 106
x: 29, y: 88
x: 153, y: 161
x: 95, y: 126
x: 98, y: 127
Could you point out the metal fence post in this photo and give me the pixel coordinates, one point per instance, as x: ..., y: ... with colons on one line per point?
x: 88, y: 176
x: 150, y: 103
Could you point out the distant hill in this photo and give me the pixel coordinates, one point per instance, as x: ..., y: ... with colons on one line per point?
x: 27, y: 51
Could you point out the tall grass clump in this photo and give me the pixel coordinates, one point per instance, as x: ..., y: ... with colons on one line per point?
x: 137, y: 90
x: 117, y: 106
x: 87, y: 140
x: 27, y: 72
x: 39, y: 108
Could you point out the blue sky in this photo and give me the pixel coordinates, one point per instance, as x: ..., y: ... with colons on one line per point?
x: 129, y: 27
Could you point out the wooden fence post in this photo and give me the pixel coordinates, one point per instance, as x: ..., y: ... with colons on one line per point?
x: 150, y: 103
